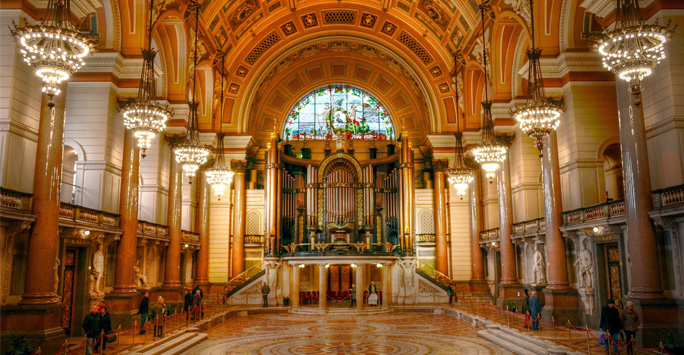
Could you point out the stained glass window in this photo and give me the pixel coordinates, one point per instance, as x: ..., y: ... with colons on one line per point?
x: 338, y: 111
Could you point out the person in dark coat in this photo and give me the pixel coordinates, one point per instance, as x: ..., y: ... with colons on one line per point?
x: 144, y: 310
x: 535, y: 309
x: 630, y: 323
x: 187, y: 302
x: 611, y: 324
x: 194, y: 290
x: 265, y: 290
x: 91, y: 328
x: 105, y: 324
x: 526, y: 307
x: 196, y: 304
x: 450, y: 293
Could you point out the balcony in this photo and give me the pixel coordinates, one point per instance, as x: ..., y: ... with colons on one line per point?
x: 604, y: 211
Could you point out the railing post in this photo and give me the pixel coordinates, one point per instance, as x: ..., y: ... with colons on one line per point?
x: 508, y: 317
x: 85, y: 345
x: 586, y: 331
x: 568, y: 325
x: 118, y: 339
x: 553, y: 330
x: 539, y: 324
x: 529, y: 320
x: 135, y: 330
x: 102, y: 340
x: 66, y: 346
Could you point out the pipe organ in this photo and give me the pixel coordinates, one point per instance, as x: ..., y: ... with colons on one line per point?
x: 339, y: 200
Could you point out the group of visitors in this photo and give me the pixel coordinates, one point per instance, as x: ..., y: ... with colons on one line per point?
x: 612, y: 323
x: 531, y: 308
x: 94, y: 323
x: 192, y: 304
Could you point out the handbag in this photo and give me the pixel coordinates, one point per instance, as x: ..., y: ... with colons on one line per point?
x: 112, y: 339
x: 602, y: 337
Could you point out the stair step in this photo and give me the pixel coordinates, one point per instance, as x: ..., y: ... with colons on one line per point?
x: 160, y: 348
x: 517, y: 345
x: 167, y: 338
x: 198, y: 338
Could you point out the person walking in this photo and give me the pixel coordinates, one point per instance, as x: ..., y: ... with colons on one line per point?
x: 201, y: 293
x: 535, y: 309
x: 450, y: 293
x: 630, y: 323
x: 196, y: 304
x: 91, y: 328
x: 611, y: 324
x: 265, y: 290
x: 143, y: 311
x: 105, y: 325
x: 526, y: 307
x: 352, y: 295
x: 187, y: 303
x: 159, y: 310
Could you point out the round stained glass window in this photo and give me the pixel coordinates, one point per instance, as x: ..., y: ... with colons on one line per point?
x: 338, y: 111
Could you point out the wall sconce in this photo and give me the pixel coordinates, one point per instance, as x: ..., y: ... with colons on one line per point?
x: 378, y: 265
x: 353, y: 265
x: 327, y: 266
x: 301, y: 266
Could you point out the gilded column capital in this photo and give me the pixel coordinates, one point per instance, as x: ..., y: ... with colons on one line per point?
x: 440, y: 165
x: 174, y: 140
x: 238, y: 166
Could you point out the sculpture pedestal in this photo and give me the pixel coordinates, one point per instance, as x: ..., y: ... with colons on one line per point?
x: 659, y: 317
x: 40, y: 323
x: 509, y: 293
x: 562, y: 305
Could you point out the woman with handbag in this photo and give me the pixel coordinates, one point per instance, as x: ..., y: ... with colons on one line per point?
x: 106, y: 326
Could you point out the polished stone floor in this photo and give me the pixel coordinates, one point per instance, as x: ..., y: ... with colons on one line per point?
x: 391, y: 333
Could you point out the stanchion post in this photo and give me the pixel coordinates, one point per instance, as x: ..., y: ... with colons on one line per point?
x: 118, y: 339
x: 102, y: 340
x: 539, y: 324
x: 631, y: 344
x: 586, y: 331
x: 553, y: 330
x: 135, y: 330
x: 529, y: 319
x: 660, y: 346
x: 66, y: 346
x: 568, y: 325
x: 85, y: 345
x: 508, y: 317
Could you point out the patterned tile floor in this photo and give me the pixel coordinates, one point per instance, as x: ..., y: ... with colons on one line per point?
x: 392, y: 333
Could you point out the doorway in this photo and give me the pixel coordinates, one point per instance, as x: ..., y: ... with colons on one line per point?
x: 613, y: 274
x: 69, y: 289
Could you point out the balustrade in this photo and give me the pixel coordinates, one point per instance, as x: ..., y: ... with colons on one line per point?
x: 668, y: 197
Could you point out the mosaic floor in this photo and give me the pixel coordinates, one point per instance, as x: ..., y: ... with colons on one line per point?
x: 394, y: 333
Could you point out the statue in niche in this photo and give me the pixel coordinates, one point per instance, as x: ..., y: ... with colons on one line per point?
x: 57, y: 264
x: 539, y: 269
x: 272, y: 267
x: 97, y: 270
x: 408, y: 267
x: 585, y: 267
x: 140, y: 277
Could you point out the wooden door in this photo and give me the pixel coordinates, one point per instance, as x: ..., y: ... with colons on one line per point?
x: 613, y: 274
x: 69, y: 289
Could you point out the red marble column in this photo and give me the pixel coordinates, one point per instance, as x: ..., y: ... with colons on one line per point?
x: 477, y: 264
x: 641, y: 240
x: 508, y: 266
x: 44, y: 240
x: 239, y: 218
x: 173, y: 220
x: 439, y: 200
x: 557, y: 269
x: 203, y: 228
x: 126, y: 251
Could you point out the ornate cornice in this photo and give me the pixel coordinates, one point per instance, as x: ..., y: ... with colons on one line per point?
x: 19, y: 129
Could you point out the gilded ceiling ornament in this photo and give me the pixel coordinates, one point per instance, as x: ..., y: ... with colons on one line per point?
x: 435, y: 12
x: 288, y: 28
x: 368, y: 20
x: 309, y: 20
x: 243, y: 11
x: 522, y: 8
x: 388, y: 28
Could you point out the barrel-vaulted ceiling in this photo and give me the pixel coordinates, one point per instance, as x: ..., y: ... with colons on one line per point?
x: 401, y: 51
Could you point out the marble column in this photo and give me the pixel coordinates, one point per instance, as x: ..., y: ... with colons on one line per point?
x: 322, y: 286
x: 386, y: 285
x: 557, y: 269
x: 173, y: 220
x: 39, y: 287
x: 271, y: 194
x: 295, y: 286
x: 477, y: 263
x: 407, y: 198
x: 126, y: 251
x: 439, y: 201
x: 202, y: 276
x: 360, y: 285
x: 239, y: 217
x: 642, y: 247
x: 508, y: 266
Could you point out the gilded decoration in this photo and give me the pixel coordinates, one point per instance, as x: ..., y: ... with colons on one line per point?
x: 288, y: 28
x: 435, y: 12
x: 309, y: 20
x: 242, y: 12
x: 368, y: 20
x: 388, y: 28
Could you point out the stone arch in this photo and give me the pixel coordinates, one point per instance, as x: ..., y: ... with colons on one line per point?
x: 610, y: 176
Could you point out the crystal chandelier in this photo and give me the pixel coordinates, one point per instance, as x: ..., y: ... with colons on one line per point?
x: 491, y: 152
x: 632, y: 49
x: 540, y: 115
x: 144, y: 116
x: 191, y: 154
x: 219, y: 176
x: 54, y: 48
x: 459, y: 176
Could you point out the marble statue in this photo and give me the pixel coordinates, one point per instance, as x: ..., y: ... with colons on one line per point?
x: 140, y: 277
x: 272, y: 267
x: 408, y: 267
x: 97, y: 269
x: 585, y: 267
x: 539, y: 269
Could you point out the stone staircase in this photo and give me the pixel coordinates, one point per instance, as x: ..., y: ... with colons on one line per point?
x: 519, y: 343
x: 172, y: 344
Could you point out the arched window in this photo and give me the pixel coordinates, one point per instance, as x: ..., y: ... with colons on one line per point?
x: 338, y: 111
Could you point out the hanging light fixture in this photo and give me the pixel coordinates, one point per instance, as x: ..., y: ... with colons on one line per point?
x: 191, y: 154
x: 491, y: 152
x: 632, y: 49
x: 55, y: 48
x: 459, y: 176
x: 540, y: 115
x: 144, y: 116
x: 219, y: 176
